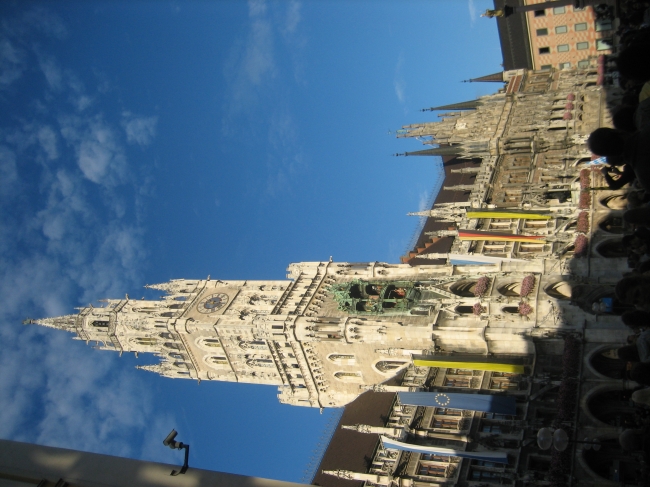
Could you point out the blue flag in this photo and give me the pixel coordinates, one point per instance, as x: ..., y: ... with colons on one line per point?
x: 487, y: 403
x: 488, y: 456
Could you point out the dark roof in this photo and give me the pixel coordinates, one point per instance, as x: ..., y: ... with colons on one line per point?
x: 351, y: 450
x: 494, y: 77
x: 463, y: 105
x: 445, y: 150
x: 513, y: 35
x: 425, y: 244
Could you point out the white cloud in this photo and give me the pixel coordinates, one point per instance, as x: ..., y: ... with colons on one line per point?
x: 139, y: 130
x: 11, y: 65
x: 99, y: 154
x: 293, y: 17
x: 66, y: 238
x: 473, y: 12
x: 48, y: 140
x: 52, y: 73
x: 8, y: 170
x: 398, y: 80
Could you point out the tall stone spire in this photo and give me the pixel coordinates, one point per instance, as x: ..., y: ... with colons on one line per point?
x: 464, y: 105
x: 450, y: 150
x: 495, y: 77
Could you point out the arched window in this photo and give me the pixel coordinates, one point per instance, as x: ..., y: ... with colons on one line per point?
x: 387, y: 366
x: 166, y: 336
x: 217, y: 360
x: 463, y: 289
x: 252, y: 345
x: 464, y: 310
x: 145, y: 341
x: 613, y: 224
x: 348, y: 376
x: 100, y: 324
x: 611, y: 249
x: 510, y: 289
x: 342, y: 359
x: 615, y: 202
x: 211, y: 342
x: 559, y: 290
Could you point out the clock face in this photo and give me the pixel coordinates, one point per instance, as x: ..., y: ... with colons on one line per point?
x: 212, y: 303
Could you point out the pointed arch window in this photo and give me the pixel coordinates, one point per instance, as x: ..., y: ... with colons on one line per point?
x: 348, y: 376
x: 149, y: 341
x: 217, y: 360
x: 342, y: 359
x: 388, y: 366
x: 100, y: 324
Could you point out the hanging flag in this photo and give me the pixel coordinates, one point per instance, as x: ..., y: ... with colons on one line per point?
x: 489, y: 456
x: 487, y: 403
x: 478, y: 259
x: 499, y: 236
x: 471, y: 362
x: 505, y: 213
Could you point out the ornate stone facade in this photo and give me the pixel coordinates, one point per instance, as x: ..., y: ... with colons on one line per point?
x: 547, y: 237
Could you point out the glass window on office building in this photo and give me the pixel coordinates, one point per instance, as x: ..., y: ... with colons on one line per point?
x: 583, y: 64
x: 582, y: 45
x: 559, y: 10
x: 542, y: 32
x: 544, y: 50
x: 540, y: 13
x: 546, y: 67
x: 581, y: 26
x: 564, y: 65
x: 563, y: 48
x: 561, y: 29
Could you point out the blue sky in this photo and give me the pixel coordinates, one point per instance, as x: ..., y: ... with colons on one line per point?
x: 144, y: 141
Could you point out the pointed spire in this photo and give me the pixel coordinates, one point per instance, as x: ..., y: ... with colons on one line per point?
x: 496, y: 77
x: 66, y: 322
x: 464, y: 105
x: 168, y: 287
x: 157, y: 368
x: 449, y: 150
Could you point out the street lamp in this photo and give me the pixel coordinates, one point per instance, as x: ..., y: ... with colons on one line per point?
x: 177, y: 445
x: 548, y: 437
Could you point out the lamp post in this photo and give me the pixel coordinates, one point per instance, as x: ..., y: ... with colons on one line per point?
x: 177, y: 445
x: 558, y: 438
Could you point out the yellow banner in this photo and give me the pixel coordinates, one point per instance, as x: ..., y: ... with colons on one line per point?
x: 515, y: 369
x: 507, y: 214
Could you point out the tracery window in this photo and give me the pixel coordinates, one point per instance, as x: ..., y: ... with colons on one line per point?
x: 145, y: 341
x: 385, y: 366
x: 100, y: 324
x: 432, y: 470
x: 348, y: 376
x: 342, y: 359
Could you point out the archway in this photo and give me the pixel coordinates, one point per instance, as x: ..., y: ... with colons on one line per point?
x: 613, y: 464
x: 464, y: 289
x: 605, y: 366
x: 559, y: 290
x: 613, y: 224
x: 612, y: 248
x: 615, y: 201
x: 510, y: 289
